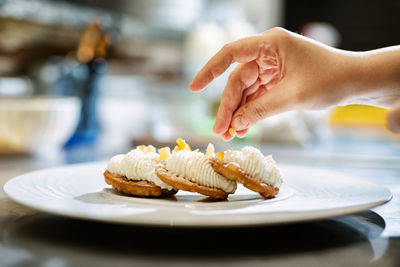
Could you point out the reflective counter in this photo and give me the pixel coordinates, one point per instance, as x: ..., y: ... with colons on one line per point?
x: 370, y: 238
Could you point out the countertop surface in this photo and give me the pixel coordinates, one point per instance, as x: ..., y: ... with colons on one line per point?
x: 32, y: 238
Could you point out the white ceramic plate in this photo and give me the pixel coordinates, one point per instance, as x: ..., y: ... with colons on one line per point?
x: 79, y: 191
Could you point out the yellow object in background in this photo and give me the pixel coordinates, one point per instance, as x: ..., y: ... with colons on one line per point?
x: 358, y: 115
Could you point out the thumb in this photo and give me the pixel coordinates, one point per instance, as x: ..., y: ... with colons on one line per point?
x: 270, y: 103
x: 393, y: 118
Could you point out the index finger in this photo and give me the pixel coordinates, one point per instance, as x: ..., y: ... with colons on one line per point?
x: 241, y: 51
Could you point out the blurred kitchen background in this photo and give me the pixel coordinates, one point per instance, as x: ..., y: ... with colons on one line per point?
x: 82, y: 80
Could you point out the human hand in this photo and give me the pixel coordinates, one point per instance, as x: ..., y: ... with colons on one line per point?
x: 278, y: 71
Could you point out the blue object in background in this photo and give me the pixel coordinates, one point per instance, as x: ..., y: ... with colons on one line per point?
x: 84, y: 81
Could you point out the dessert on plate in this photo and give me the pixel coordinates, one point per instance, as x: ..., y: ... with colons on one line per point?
x: 134, y: 173
x: 191, y: 171
x: 146, y: 173
x: 250, y: 168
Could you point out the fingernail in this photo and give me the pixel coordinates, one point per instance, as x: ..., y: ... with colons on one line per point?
x: 240, y: 123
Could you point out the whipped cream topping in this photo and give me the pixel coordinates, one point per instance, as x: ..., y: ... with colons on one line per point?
x: 195, y: 167
x: 114, y: 165
x: 137, y: 165
x: 254, y: 164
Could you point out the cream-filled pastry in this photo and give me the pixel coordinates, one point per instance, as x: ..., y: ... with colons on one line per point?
x: 255, y: 164
x: 250, y: 168
x: 191, y: 171
x: 134, y: 173
x: 137, y: 165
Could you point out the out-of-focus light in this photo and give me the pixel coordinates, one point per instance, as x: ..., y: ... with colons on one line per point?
x: 162, y: 131
x: 15, y: 86
x: 322, y: 32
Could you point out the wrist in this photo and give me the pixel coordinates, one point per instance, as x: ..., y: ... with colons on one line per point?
x: 376, y: 77
x: 347, y: 76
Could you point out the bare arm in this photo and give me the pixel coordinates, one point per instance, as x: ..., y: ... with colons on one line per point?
x: 281, y: 71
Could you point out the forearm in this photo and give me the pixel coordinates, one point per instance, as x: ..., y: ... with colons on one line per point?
x: 376, y: 77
